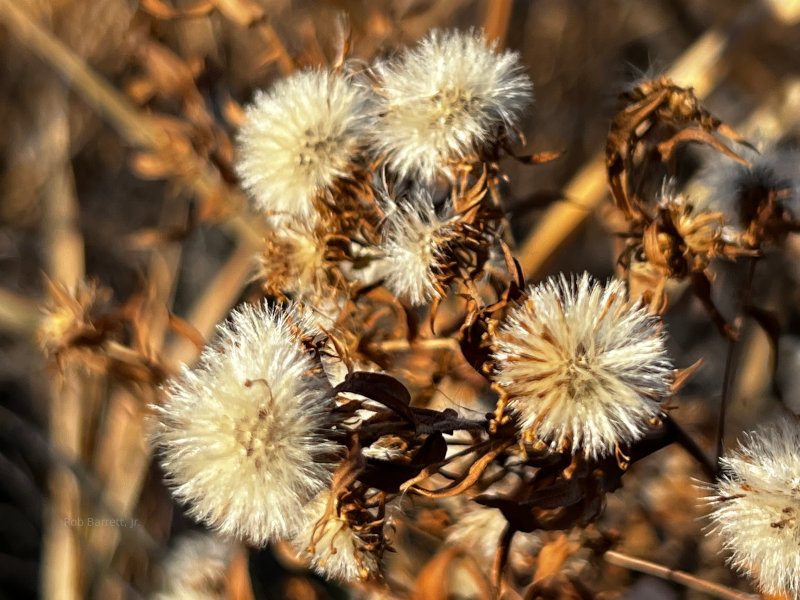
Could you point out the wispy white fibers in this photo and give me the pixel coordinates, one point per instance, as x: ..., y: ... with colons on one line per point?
x: 756, y: 506
x: 583, y: 368
x: 333, y: 547
x: 241, y: 435
x: 445, y: 100
x: 413, y: 250
x: 299, y: 138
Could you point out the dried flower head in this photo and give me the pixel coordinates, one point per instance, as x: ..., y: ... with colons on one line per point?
x: 761, y: 198
x: 414, y: 251
x: 241, y: 435
x: 299, y: 138
x: 69, y: 317
x: 756, y: 506
x: 445, y: 102
x: 336, y: 547
x: 197, y: 568
x: 293, y: 262
x: 580, y: 366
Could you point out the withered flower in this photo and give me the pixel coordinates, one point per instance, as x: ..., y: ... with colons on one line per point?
x: 241, y: 436
x: 583, y: 369
x: 760, y: 199
x: 69, y: 317
x: 756, y: 506
x: 338, y: 546
x: 293, y: 262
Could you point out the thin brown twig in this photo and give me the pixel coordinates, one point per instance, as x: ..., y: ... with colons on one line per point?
x: 730, y: 361
x: 426, y: 344
x: 690, y: 581
x: 685, y: 441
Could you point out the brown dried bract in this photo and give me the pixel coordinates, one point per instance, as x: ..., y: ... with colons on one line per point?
x: 657, y: 116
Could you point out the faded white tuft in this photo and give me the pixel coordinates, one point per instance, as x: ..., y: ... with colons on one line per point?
x: 413, y: 250
x: 756, y: 506
x: 197, y: 568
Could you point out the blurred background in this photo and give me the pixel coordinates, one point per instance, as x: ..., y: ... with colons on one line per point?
x: 117, y: 119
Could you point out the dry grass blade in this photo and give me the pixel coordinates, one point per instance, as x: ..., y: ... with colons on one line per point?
x: 134, y: 126
x: 18, y: 315
x: 214, y: 303
x: 496, y: 20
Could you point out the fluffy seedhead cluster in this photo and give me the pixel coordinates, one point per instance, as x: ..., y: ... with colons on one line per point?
x: 299, y: 139
x: 379, y: 192
x: 451, y: 99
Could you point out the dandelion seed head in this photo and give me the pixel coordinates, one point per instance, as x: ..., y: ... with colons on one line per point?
x: 299, y: 138
x: 581, y: 367
x: 756, y: 506
x: 241, y: 435
x: 414, y: 250
x: 332, y: 546
x: 446, y: 100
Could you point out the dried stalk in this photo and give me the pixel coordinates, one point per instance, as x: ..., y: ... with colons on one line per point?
x: 61, y: 575
x: 18, y: 315
x: 211, y: 307
x: 133, y: 125
x: 694, y: 583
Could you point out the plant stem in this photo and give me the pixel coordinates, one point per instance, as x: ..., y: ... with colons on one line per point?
x: 690, y: 581
x: 730, y: 363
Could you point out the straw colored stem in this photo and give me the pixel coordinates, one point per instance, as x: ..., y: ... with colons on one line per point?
x: 215, y: 301
x: 694, y: 583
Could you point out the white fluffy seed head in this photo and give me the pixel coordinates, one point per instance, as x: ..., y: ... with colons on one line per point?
x: 197, y: 568
x: 756, y: 506
x: 241, y: 435
x: 445, y: 101
x: 333, y: 548
x: 299, y: 138
x: 413, y: 250
x: 581, y: 367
